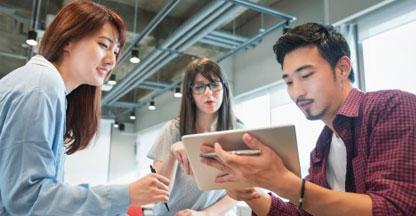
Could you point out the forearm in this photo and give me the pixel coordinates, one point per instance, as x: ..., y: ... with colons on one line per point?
x: 221, y: 207
x: 261, y: 205
x: 167, y: 167
x: 322, y: 201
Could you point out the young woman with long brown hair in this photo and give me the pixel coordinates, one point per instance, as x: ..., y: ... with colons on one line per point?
x: 53, y: 103
x: 206, y: 106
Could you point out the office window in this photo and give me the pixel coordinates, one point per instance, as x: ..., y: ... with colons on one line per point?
x: 389, y: 59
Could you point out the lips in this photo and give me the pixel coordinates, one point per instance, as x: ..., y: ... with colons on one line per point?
x: 103, y: 71
x: 304, y: 104
x: 209, y: 102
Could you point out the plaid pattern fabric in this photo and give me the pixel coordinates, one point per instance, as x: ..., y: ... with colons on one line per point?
x: 379, y: 130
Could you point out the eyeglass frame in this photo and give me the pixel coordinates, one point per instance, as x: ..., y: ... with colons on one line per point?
x: 221, y: 85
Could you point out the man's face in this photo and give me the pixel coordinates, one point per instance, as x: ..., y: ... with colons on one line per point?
x: 312, y: 84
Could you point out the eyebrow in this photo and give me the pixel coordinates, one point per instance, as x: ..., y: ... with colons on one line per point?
x: 106, y: 38
x: 109, y: 39
x: 298, y: 70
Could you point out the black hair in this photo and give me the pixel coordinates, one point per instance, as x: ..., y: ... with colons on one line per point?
x: 331, y: 44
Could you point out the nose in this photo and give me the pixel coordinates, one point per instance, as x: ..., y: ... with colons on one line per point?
x: 110, y: 58
x: 207, y: 90
x: 298, y: 89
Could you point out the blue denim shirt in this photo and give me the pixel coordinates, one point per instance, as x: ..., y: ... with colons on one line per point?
x: 32, y: 126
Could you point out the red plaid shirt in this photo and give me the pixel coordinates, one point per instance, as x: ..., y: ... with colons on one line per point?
x: 379, y: 130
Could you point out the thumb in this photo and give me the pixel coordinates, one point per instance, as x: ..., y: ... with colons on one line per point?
x: 252, y: 142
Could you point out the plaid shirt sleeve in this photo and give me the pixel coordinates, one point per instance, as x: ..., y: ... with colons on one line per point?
x: 391, y: 167
x: 280, y: 207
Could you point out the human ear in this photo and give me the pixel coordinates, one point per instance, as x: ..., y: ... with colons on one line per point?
x: 343, y: 67
x: 68, y: 47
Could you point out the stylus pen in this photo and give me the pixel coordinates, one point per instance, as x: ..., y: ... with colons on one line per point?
x: 154, y: 171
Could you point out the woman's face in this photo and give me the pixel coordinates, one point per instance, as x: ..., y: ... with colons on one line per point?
x: 208, y: 96
x: 90, y: 59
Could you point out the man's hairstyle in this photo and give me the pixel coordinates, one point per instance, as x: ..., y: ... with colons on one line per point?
x: 330, y: 43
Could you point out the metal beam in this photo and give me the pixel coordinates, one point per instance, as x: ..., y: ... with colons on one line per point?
x: 226, y: 35
x: 262, y: 9
x: 12, y: 13
x: 126, y: 105
x: 149, y: 28
x: 222, y: 40
x: 13, y: 55
x: 215, y: 43
x: 153, y: 85
x: 252, y: 40
x: 157, y: 57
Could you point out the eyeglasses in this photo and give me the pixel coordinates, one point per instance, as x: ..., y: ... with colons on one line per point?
x: 199, y: 88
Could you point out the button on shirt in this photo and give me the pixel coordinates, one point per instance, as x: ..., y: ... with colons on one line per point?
x: 379, y: 133
x: 32, y: 127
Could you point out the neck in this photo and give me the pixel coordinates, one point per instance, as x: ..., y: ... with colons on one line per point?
x: 338, y: 102
x: 204, y: 121
x: 70, y: 82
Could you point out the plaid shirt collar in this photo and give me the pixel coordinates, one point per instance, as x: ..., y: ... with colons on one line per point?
x: 349, y: 109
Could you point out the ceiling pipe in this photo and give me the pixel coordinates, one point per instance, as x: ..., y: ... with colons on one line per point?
x: 129, y: 79
x: 232, y: 11
x: 153, y: 85
x: 216, y: 43
x: 262, y: 9
x: 222, y: 40
x: 252, y: 40
x: 156, y: 60
x: 149, y: 28
x: 226, y: 35
x: 191, y: 37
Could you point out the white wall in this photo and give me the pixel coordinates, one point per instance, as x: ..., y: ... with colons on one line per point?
x: 91, y: 165
x: 144, y: 142
x: 123, y: 163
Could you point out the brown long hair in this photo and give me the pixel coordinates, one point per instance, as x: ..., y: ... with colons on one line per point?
x: 74, y: 21
x: 211, y: 71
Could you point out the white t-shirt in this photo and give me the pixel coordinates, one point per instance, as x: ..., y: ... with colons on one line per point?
x: 337, y: 164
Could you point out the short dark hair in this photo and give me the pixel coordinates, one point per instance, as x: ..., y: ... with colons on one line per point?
x: 330, y: 43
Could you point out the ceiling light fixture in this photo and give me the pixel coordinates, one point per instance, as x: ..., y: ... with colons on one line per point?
x: 152, y: 105
x: 178, y: 93
x: 112, y: 80
x: 135, y: 51
x: 31, y: 38
x: 122, y: 127
x: 135, y: 55
x: 132, y: 115
x: 116, y: 124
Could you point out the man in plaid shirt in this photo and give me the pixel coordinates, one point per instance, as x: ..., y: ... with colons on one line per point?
x: 364, y: 162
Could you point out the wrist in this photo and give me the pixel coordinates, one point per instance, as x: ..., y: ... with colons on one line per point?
x: 290, y: 189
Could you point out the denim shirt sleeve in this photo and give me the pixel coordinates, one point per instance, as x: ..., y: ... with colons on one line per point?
x: 31, y: 161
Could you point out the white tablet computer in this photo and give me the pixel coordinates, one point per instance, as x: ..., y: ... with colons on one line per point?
x: 282, y: 139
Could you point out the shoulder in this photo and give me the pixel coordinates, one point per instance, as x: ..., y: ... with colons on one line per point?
x: 34, y: 78
x: 172, y: 125
x: 390, y: 104
x: 389, y: 98
x: 170, y: 129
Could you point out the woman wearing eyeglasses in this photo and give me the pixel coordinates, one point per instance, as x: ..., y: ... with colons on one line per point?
x: 206, y: 107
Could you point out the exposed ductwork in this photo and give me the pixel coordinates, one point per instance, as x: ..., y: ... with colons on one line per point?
x: 200, y: 28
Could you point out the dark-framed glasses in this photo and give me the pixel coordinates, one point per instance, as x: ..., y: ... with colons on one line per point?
x: 199, y: 88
